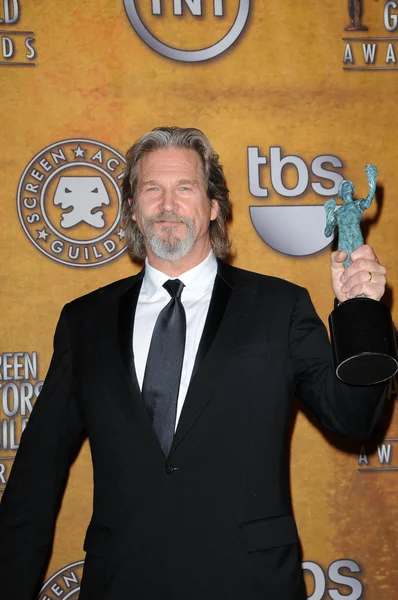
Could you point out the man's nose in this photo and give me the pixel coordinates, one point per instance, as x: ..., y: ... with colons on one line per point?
x: 169, y: 200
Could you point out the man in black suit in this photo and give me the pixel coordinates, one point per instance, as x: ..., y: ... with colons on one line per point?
x: 184, y: 375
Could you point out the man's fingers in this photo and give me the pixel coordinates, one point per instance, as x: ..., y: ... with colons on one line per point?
x: 362, y: 264
x: 369, y: 289
x: 364, y: 251
x: 363, y: 277
x: 338, y: 257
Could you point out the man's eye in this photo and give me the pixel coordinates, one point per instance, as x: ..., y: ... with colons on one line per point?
x: 184, y: 188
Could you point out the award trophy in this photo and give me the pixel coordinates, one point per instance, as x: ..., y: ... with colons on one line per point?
x: 361, y: 329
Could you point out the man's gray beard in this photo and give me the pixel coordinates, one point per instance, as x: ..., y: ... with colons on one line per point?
x: 167, y: 246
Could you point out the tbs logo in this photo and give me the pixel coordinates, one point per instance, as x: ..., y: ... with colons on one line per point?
x: 294, y: 229
x: 343, y: 572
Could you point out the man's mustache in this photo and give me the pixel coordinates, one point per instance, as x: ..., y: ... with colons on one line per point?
x: 171, y: 217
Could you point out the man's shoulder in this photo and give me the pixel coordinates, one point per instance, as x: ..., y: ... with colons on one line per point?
x: 266, y: 283
x: 107, y: 293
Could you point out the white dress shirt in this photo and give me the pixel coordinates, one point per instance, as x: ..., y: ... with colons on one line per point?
x: 195, y: 298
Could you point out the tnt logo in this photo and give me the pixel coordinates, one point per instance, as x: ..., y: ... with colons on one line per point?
x: 204, y: 28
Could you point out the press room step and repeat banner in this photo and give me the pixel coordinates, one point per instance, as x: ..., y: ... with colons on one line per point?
x: 295, y: 97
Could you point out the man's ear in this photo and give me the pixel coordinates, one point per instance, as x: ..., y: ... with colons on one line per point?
x: 130, y: 201
x: 215, y: 207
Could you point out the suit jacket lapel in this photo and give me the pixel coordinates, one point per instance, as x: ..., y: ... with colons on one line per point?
x: 230, y: 302
x: 218, y: 304
x: 117, y: 356
x: 127, y: 308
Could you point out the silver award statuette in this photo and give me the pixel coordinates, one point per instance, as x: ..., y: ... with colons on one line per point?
x: 361, y: 329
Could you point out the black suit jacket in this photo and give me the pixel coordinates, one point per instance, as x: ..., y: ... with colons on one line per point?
x: 214, y: 519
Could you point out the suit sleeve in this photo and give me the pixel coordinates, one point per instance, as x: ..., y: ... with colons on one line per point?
x: 346, y: 409
x: 31, y: 499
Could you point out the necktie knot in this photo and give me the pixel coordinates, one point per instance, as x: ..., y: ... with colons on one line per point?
x: 174, y: 287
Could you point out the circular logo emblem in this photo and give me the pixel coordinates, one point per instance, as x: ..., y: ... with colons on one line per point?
x: 69, y: 202
x: 64, y: 584
x: 154, y: 9
x: 293, y: 230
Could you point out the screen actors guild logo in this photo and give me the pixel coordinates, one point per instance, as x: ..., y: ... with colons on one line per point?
x: 65, y: 583
x: 70, y: 191
x: 196, y: 9
x: 69, y: 202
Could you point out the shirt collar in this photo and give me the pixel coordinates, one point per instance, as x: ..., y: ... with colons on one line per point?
x: 198, y: 280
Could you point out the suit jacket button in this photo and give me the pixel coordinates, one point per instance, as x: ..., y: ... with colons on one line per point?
x: 169, y: 469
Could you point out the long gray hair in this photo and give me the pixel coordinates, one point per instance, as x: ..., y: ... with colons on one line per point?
x: 178, y: 137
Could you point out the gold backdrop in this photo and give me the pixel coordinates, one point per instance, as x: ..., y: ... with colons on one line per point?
x: 79, y: 83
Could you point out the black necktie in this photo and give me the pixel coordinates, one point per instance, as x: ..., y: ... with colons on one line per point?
x: 164, y: 364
